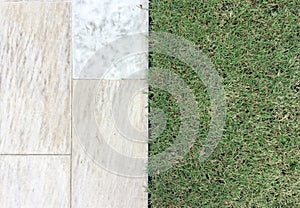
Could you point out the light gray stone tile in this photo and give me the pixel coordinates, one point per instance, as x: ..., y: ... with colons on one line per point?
x: 35, y: 181
x: 109, y: 144
x: 35, y: 78
x: 105, y: 40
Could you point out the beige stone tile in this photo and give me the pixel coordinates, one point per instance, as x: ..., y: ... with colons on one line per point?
x: 109, y: 144
x: 35, y: 77
x: 35, y: 181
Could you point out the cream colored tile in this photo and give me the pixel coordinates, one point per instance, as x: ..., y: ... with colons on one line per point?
x: 109, y: 144
x: 34, y: 181
x: 35, y: 77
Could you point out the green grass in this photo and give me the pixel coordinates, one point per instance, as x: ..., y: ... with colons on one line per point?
x: 254, y: 46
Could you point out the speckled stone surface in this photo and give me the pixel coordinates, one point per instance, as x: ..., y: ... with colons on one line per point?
x: 35, y: 78
x: 34, y: 181
x: 100, y: 29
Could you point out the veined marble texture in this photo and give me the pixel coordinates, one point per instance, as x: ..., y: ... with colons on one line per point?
x: 109, y: 144
x: 100, y: 29
x: 34, y: 181
x: 35, y: 78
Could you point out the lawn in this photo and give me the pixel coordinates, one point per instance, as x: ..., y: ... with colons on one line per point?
x: 254, y: 46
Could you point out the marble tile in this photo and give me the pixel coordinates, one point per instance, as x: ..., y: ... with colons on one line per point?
x: 35, y: 78
x: 109, y: 144
x: 35, y: 181
x: 109, y: 39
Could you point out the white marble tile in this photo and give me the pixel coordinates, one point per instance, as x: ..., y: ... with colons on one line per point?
x: 35, y: 181
x: 109, y: 144
x: 104, y: 44
x: 35, y: 78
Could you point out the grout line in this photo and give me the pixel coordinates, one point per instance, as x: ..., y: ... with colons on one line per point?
x: 91, y: 79
x: 71, y: 104
x: 71, y: 155
x: 71, y: 175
